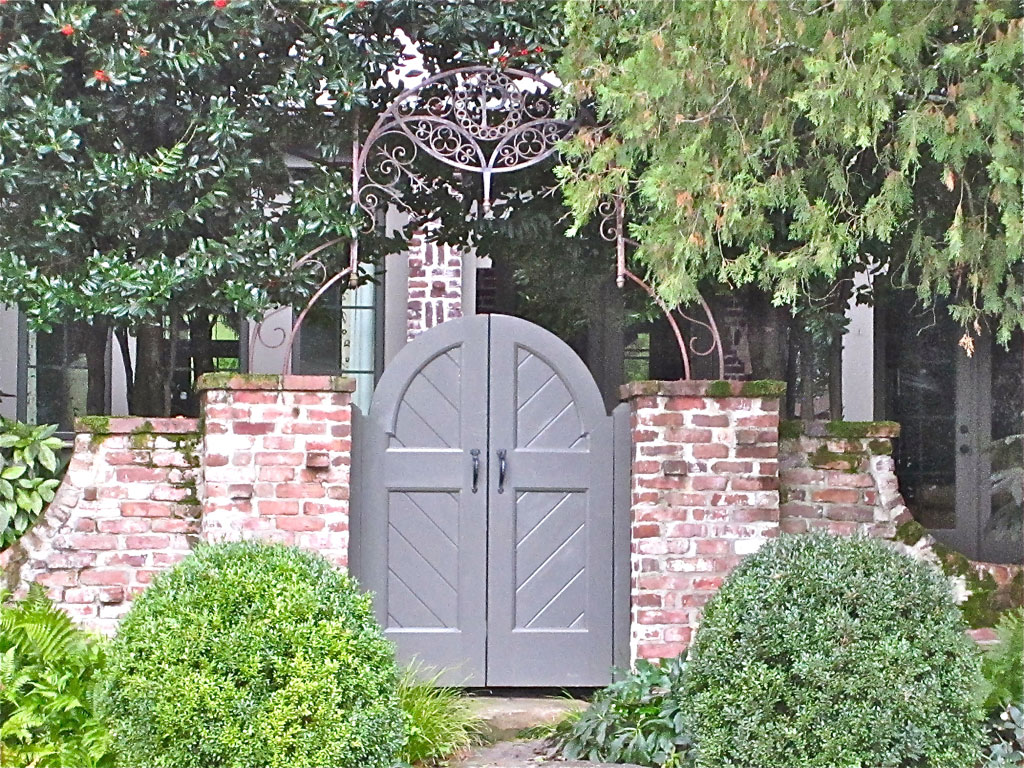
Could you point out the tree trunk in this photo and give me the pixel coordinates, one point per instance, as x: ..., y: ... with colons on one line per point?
x: 199, y: 326
x: 95, y: 336
x: 792, y: 370
x: 121, y: 334
x: 807, y: 371
x: 835, y: 376
x: 150, y: 372
x: 768, y: 327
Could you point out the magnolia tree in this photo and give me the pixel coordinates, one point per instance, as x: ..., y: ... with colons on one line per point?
x: 144, y: 184
x: 790, y: 145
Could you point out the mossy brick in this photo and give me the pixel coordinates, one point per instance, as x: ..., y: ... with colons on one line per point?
x: 270, y: 381
x: 855, y: 429
x: 696, y: 388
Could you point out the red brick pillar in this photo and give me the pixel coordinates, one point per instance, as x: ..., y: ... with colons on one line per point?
x: 276, y: 459
x: 435, y: 285
x: 705, y: 493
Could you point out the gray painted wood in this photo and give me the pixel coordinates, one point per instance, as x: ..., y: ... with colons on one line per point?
x: 421, y: 528
x: 511, y: 585
x: 550, y: 525
x: 622, y: 513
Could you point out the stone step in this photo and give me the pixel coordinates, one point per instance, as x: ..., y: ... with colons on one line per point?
x: 505, y: 717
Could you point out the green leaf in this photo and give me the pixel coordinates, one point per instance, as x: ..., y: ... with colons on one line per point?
x: 13, y: 472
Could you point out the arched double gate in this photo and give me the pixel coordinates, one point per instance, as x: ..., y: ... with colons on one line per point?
x: 490, y: 508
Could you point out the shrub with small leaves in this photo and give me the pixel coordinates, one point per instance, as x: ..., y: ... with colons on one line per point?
x: 640, y: 719
x: 832, y: 651
x: 30, y: 472
x: 49, y: 674
x: 253, y: 654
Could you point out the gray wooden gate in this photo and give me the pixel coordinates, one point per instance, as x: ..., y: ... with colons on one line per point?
x: 483, y: 509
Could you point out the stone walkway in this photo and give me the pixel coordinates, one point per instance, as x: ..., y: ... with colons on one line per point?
x: 523, y: 754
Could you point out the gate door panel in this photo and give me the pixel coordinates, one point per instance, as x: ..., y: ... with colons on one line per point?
x: 423, y: 532
x: 549, y: 619
x: 483, y: 519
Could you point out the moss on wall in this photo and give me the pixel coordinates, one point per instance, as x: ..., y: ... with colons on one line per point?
x: 986, y: 601
x: 763, y: 388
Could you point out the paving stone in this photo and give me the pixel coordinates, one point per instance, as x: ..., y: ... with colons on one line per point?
x: 523, y: 754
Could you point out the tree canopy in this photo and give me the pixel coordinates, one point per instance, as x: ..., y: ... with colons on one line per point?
x: 143, y: 143
x: 789, y: 145
x: 143, y: 146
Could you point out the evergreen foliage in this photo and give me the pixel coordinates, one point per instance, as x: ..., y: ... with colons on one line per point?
x: 253, y: 654
x: 30, y: 472
x: 49, y: 675
x: 826, y: 651
x: 641, y: 719
x: 788, y: 145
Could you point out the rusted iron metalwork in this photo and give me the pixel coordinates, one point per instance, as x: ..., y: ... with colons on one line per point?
x: 480, y: 120
x: 612, y: 227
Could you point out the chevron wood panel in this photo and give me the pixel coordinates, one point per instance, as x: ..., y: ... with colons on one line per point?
x: 423, y: 560
x: 550, y: 560
x: 428, y: 415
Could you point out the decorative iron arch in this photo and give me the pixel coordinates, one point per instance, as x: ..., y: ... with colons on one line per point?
x: 485, y: 121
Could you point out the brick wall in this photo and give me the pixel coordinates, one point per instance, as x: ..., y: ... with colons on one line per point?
x: 270, y: 458
x: 276, y: 456
x: 840, y: 476
x: 705, y: 493
x: 435, y: 285
x: 127, y: 508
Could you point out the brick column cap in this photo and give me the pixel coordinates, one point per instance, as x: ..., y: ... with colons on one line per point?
x: 271, y: 381
x: 702, y: 388
x: 136, y: 425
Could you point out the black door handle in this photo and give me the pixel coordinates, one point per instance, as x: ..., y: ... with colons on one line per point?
x: 502, y: 470
x: 475, y: 453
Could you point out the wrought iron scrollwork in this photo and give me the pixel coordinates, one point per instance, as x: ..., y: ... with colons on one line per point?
x: 476, y: 119
x: 484, y: 121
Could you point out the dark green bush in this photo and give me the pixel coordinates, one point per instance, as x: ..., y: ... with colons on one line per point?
x: 252, y: 654
x: 833, y: 651
x: 49, y: 674
x: 640, y: 719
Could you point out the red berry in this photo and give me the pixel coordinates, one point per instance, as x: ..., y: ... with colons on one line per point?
x: 523, y: 51
x: 67, y: 30
x: 220, y: 3
x: 101, y: 75
x: 538, y: 49
x: 503, y: 58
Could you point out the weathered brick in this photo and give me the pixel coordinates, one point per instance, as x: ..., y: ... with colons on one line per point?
x: 105, y: 576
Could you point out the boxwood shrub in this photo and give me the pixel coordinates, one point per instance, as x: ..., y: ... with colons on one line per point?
x: 253, y: 654
x: 834, y: 651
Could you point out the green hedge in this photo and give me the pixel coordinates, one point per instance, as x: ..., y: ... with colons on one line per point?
x: 830, y: 651
x: 253, y: 654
